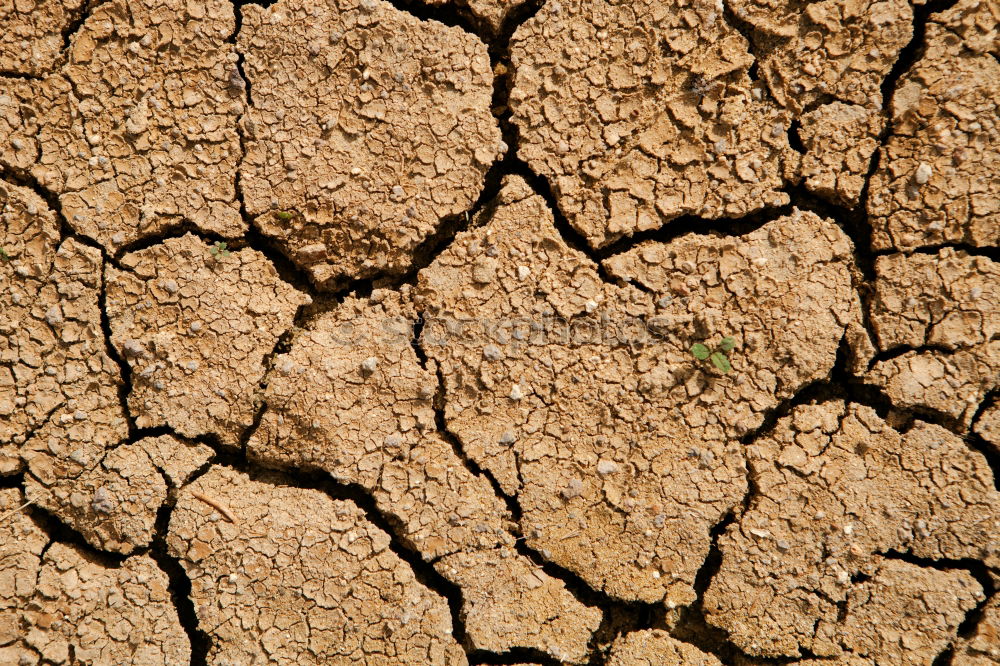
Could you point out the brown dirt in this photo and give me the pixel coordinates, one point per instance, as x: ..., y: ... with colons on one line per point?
x: 367, y: 332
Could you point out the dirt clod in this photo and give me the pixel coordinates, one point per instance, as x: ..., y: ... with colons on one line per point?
x: 370, y: 140
x: 66, y: 607
x: 195, y: 327
x: 641, y: 112
x: 844, y: 491
x: 309, y: 578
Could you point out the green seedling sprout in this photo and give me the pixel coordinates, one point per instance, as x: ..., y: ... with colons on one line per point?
x: 219, y: 249
x: 283, y: 215
x: 4, y: 255
x: 719, y: 356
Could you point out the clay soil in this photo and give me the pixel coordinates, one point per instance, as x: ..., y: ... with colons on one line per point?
x: 455, y: 332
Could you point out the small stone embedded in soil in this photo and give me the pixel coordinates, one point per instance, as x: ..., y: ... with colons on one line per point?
x: 949, y: 301
x: 640, y: 112
x: 655, y: 646
x: 244, y: 306
x: 301, y: 578
x: 67, y: 607
x: 153, y: 145
x: 59, y: 406
x: 382, y: 436
x: 936, y: 182
x: 611, y: 387
x: 371, y: 139
x: 831, y: 466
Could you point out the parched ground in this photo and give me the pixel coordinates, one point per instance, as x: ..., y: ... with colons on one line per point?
x: 421, y: 332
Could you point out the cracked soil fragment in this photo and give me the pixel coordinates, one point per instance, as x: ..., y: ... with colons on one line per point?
x: 359, y: 143
x: 982, y: 647
x: 655, y: 647
x: 837, y: 489
x: 351, y: 398
x: 582, y: 398
x: 301, y: 578
x: 114, y: 505
x: 137, y: 130
x: 59, y: 405
x: 936, y: 182
x: 194, y: 322
x: 68, y: 608
x: 950, y: 302
x: 31, y: 33
x: 641, y: 112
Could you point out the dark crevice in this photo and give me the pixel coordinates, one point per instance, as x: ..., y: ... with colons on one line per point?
x: 60, y: 532
x: 179, y: 587
x: 692, y: 626
x: 319, y: 480
x: 794, y: 140
x: 976, y: 441
x: 989, y: 252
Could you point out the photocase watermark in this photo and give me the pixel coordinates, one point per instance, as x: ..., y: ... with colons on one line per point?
x: 603, y: 330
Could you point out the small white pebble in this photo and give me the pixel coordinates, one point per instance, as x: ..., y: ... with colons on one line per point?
x: 590, y: 306
x: 515, y: 392
x: 523, y: 272
x: 922, y: 174
x: 491, y: 353
x: 195, y: 326
x: 368, y: 365
x: 606, y: 467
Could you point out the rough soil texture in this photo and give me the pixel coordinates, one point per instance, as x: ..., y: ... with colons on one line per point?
x: 500, y: 331
x: 308, y: 579
x: 31, y: 34
x: 59, y: 407
x: 641, y: 112
x: 194, y: 322
x: 936, y: 178
x: 136, y: 133
x: 945, y: 307
x: 358, y: 143
x: 352, y: 399
x: 838, y: 492
x: 65, y: 606
x: 611, y: 444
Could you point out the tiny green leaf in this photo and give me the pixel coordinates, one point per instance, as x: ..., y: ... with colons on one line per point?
x: 720, y: 361
x: 3, y: 253
x: 282, y: 215
x: 700, y: 351
x: 727, y: 343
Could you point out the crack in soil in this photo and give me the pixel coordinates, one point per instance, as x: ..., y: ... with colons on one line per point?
x: 620, y: 618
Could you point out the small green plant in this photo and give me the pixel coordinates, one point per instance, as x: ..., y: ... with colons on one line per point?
x: 219, y: 249
x: 718, y: 356
x: 283, y: 215
x: 4, y: 255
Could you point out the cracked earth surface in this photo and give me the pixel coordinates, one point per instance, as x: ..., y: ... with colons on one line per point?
x: 365, y: 332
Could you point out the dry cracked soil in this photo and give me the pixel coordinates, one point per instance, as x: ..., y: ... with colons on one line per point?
x: 626, y: 332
